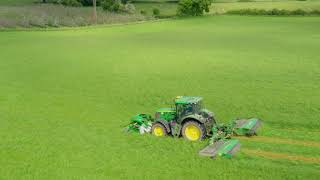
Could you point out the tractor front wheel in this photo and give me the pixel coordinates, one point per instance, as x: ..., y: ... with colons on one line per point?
x: 158, y: 129
x: 193, y: 131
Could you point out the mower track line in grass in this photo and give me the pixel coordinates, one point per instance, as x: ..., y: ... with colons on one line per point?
x: 275, y: 155
x: 281, y: 141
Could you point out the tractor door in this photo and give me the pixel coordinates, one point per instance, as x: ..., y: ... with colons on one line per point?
x: 179, y: 109
x: 182, y: 110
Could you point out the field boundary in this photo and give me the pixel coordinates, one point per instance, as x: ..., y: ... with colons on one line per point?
x: 82, y: 27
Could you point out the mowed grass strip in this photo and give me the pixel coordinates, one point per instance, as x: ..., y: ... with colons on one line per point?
x: 296, y: 134
x: 275, y: 155
x: 276, y: 140
x: 282, y: 148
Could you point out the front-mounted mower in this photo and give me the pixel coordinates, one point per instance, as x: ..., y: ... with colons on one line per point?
x: 189, y: 119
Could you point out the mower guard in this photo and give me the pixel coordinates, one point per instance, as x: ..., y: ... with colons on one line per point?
x: 247, y: 127
x: 224, y: 148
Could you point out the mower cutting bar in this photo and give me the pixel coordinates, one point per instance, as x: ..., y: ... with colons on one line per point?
x: 247, y: 127
x: 212, y: 149
x: 222, y: 148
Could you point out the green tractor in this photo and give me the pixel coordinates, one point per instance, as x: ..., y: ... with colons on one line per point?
x: 189, y: 119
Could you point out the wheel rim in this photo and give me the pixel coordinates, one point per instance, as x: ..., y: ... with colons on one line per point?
x: 158, y: 131
x: 192, y: 132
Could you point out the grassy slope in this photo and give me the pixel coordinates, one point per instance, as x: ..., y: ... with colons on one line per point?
x: 66, y: 95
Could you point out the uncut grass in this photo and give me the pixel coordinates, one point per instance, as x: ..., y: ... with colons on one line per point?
x: 48, y: 15
x: 66, y: 95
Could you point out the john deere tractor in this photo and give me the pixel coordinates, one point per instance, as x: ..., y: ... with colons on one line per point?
x: 189, y: 118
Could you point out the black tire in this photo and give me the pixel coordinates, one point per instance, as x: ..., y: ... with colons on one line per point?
x: 156, y: 127
x: 201, y: 129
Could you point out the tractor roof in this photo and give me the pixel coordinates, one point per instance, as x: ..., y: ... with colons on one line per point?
x: 187, y: 100
x: 166, y: 110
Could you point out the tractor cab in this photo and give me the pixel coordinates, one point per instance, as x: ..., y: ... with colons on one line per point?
x: 186, y: 105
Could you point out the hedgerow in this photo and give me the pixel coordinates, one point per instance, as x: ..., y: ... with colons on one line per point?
x: 274, y: 12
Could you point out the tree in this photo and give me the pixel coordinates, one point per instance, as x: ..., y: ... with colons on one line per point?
x: 95, y: 17
x: 193, y: 7
x: 44, y: 1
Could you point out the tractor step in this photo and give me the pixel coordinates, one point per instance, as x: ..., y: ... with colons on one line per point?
x: 224, y: 148
x: 247, y: 127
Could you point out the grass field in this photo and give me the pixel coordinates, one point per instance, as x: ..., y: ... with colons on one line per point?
x: 65, y: 96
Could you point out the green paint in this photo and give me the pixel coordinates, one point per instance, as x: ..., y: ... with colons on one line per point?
x: 227, y: 147
x: 246, y: 127
x: 166, y: 110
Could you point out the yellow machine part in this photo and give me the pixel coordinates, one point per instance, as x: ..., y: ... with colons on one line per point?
x: 192, y: 132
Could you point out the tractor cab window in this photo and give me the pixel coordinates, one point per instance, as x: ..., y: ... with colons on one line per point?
x: 188, y: 108
x: 184, y: 109
x: 198, y: 107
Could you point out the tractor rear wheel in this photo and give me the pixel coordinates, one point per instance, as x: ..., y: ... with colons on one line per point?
x: 193, y: 131
x: 158, y: 129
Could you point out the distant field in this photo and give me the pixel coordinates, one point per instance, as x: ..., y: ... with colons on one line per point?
x: 66, y: 95
x: 221, y: 7
x: 289, y: 5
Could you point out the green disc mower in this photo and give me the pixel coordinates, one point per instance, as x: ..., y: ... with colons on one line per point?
x: 188, y: 118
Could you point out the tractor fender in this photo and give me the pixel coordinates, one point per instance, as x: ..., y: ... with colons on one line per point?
x: 164, y: 123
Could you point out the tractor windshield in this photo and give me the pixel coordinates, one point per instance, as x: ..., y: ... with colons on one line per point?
x: 197, y: 106
x: 185, y: 109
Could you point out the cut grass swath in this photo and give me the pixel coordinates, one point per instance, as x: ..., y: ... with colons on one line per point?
x: 275, y: 155
x: 281, y: 141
